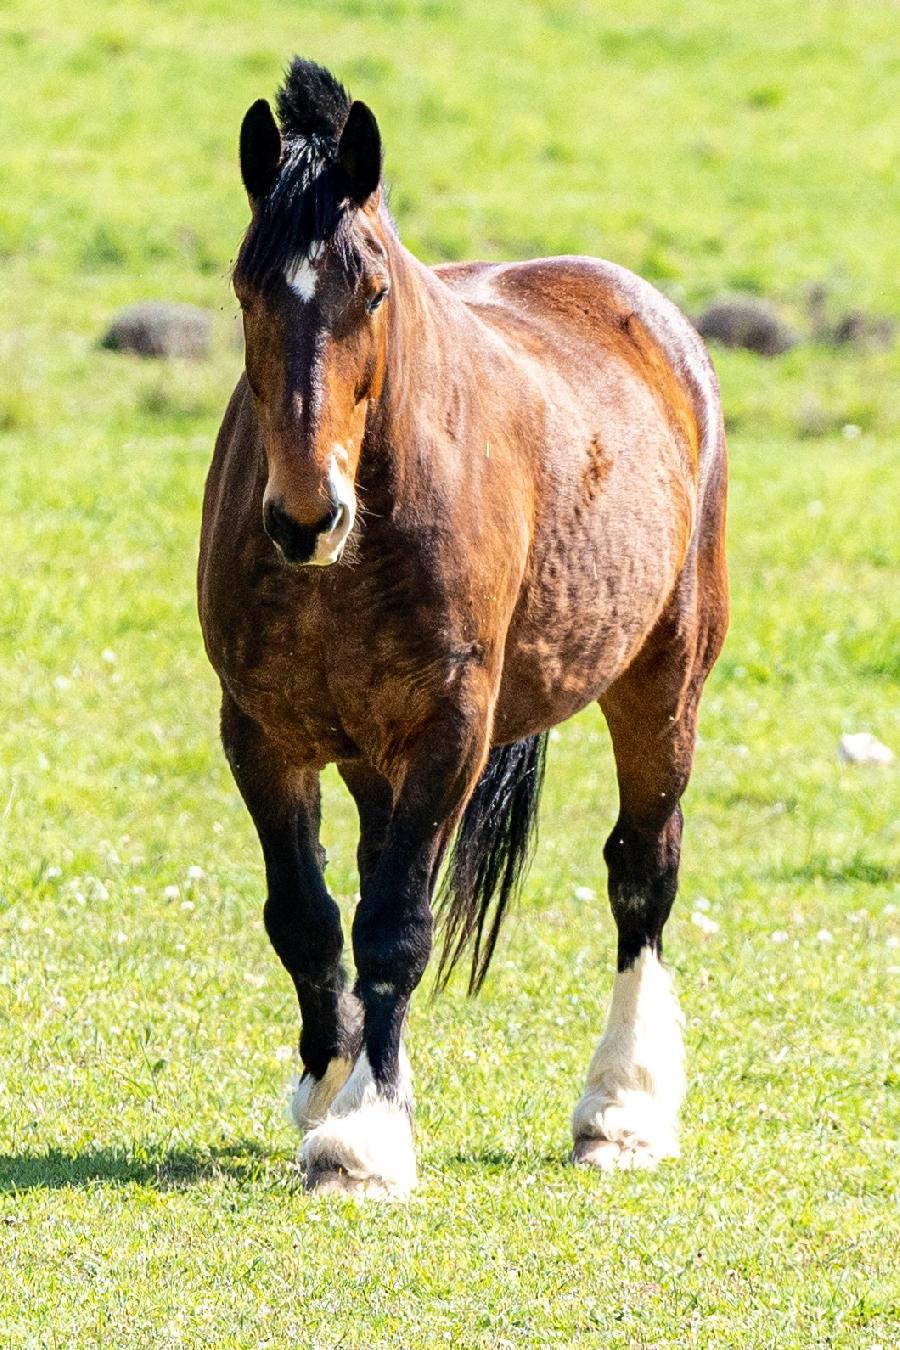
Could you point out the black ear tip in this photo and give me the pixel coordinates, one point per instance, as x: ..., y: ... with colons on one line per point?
x: 258, y: 116
x: 365, y: 126
x: 362, y: 113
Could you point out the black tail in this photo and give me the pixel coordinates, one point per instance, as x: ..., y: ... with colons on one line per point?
x: 491, y: 853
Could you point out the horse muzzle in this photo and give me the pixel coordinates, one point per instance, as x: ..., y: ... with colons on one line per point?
x: 315, y: 545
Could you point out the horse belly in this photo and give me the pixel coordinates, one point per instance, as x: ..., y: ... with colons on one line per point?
x: 547, y: 678
x: 593, y: 596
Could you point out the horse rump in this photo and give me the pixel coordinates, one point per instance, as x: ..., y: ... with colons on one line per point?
x: 491, y: 853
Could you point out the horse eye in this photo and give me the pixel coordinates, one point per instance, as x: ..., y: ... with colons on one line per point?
x: 376, y: 300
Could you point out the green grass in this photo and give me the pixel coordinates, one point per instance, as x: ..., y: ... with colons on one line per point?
x: 147, y: 1190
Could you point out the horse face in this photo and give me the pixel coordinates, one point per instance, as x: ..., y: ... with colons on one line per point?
x: 314, y: 359
x: 315, y: 333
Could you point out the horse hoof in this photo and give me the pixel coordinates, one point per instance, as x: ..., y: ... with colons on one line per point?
x: 609, y: 1155
x: 364, y: 1145
x: 333, y: 1179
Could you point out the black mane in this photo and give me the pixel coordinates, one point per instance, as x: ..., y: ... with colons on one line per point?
x: 306, y: 202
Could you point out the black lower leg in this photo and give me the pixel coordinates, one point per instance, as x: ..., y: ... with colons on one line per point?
x: 304, y: 927
x: 393, y: 925
x: 392, y: 934
x: 302, y: 920
x: 384, y: 1016
x: 643, y: 879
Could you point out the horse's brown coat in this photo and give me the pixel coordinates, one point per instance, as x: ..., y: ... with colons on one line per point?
x: 530, y: 487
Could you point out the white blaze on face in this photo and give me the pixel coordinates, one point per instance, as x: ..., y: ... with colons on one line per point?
x: 302, y: 274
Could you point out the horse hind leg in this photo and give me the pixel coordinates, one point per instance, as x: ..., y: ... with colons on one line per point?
x: 628, y: 1113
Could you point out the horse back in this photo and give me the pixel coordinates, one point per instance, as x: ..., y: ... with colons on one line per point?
x: 583, y: 319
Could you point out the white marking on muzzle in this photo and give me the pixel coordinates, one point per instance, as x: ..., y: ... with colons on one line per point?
x: 329, y: 546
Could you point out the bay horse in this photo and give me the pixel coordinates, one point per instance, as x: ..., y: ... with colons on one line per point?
x: 448, y: 508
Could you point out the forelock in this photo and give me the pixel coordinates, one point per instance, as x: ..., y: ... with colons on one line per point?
x: 303, y: 206
x: 306, y: 204
x: 311, y: 102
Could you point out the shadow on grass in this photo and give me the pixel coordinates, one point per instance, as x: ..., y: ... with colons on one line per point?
x: 162, y: 1169
x: 501, y: 1160
x: 242, y: 1162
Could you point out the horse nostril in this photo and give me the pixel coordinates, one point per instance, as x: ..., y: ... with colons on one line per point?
x: 278, y: 524
x: 271, y: 519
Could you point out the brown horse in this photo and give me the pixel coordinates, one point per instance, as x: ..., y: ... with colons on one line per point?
x: 447, y: 509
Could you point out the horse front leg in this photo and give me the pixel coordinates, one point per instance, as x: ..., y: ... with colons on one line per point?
x: 302, y: 920
x: 366, y: 1144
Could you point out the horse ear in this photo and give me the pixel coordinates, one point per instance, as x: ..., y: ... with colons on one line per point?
x: 260, y: 149
x: 359, y: 152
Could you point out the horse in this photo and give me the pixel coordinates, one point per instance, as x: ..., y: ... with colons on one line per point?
x: 447, y: 509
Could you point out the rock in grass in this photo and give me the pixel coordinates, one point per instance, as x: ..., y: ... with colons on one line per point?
x: 861, y: 747
x: 745, y: 321
x: 160, y: 328
x: 863, y: 330
x: 875, y: 332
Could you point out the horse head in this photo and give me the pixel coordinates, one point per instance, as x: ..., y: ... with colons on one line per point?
x: 312, y: 276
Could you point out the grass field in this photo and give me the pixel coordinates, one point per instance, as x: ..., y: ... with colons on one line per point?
x: 147, y: 1190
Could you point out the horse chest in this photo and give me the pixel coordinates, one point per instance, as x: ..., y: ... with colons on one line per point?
x: 328, y: 675
x: 273, y: 655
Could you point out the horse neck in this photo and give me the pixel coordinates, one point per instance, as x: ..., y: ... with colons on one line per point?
x: 433, y: 342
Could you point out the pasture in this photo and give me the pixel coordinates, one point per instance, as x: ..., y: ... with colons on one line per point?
x: 147, y: 1189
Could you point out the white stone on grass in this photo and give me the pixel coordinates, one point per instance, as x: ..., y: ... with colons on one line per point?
x: 861, y: 747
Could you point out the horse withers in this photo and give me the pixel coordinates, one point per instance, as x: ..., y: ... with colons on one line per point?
x: 448, y: 508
